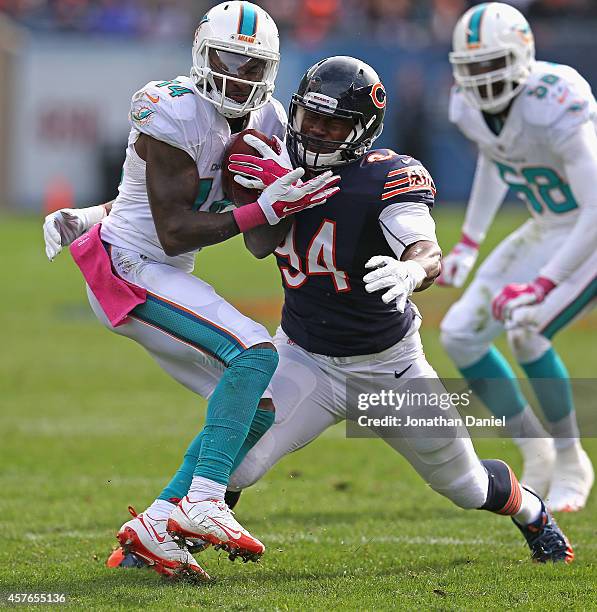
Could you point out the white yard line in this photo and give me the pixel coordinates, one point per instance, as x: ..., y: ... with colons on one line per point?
x: 280, y: 539
x: 288, y: 539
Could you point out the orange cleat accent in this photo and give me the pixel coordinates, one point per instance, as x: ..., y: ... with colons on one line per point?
x: 116, y: 558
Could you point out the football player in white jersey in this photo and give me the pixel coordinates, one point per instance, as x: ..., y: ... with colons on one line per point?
x: 534, y: 125
x: 138, y: 266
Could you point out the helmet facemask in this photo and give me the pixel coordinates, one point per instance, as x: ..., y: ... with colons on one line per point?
x: 489, y: 79
x: 318, y: 154
x: 235, y: 78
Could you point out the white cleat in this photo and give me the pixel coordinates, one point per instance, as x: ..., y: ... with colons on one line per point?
x: 538, y: 455
x: 212, y: 521
x: 572, y: 480
x: 146, y: 537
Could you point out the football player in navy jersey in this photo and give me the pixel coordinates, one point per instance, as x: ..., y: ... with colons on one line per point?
x: 336, y: 329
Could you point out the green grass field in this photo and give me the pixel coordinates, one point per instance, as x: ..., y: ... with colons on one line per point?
x: 89, y: 424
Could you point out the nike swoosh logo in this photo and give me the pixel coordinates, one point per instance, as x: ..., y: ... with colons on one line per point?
x: 154, y: 100
x: 235, y: 535
x: 288, y: 209
x: 159, y: 538
x: 399, y: 374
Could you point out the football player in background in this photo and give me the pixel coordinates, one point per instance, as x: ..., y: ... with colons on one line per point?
x: 337, y: 332
x: 161, y: 217
x: 534, y: 125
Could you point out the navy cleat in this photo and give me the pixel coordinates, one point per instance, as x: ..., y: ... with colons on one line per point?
x: 545, y: 539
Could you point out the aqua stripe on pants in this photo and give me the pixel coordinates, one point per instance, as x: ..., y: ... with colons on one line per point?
x: 189, y: 327
x: 573, y: 309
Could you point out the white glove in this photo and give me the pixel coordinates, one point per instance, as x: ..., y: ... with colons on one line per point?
x: 400, y: 277
x: 283, y: 197
x: 64, y: 226
x: 280, y: 158
x: 457, y: 265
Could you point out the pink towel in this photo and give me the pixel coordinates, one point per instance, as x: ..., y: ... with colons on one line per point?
x: 116, y: 296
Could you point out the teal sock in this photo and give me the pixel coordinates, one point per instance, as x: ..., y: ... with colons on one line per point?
x: 178, y: 487
x: 262, y: 421
x: 231, y: 410
x: 503, y: 398
x: 555, y: 393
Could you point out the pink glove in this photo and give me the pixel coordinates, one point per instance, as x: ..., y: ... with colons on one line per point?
x: 285, y: 197
x: 514, y: 295
x: 257, y: 173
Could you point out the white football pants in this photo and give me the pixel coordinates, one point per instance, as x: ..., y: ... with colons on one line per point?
x: 469, y: 328
x: 185, y: 325
x: 309, y: 392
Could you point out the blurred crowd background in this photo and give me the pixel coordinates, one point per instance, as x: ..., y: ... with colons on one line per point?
x: 307, y: 21
x: 69, y: 68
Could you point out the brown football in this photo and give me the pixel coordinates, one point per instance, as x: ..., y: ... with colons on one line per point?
x: 232, y: 190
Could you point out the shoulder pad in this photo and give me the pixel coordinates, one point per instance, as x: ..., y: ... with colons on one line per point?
x: 168, y: 111
x: 397, y: 178
x: 376, y: 164
x: 378, y: 156
x: 556, y: 95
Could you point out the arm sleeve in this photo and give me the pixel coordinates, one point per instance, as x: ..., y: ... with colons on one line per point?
x: 487, y: 194
x: 579, y: 153
x: 405, y: 223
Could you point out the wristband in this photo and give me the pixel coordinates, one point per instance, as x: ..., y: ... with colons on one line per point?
x: 464, y: 239
x: 545, y: 283
x: 249, y: 216
x: 95, y: 214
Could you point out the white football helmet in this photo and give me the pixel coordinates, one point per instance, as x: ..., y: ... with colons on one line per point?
x: 236, y: 57
x: 493, y: 54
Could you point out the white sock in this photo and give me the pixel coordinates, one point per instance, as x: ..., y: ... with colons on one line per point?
x: 565, y: 431
x: 525, y: 425
x: 203, y: 489
x: 160, y: 509
x: 530, y: 508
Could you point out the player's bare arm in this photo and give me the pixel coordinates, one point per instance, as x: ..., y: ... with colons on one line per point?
x: 263, y: 240
x: 428, y: 255
x: 172, y: 187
